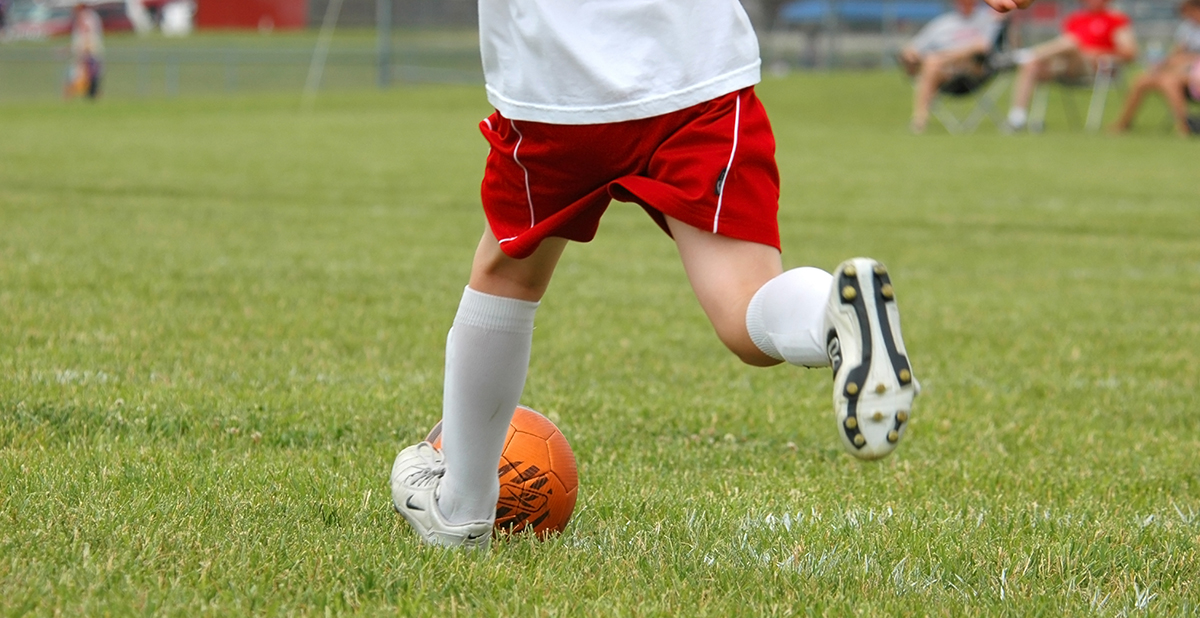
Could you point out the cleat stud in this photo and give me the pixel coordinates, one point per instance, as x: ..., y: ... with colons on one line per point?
x: 880, y: 388
x: 880, y: 270
x: 851, y: 389
x: 849, y: 292
x: 887, y: 291
x: 902, y: 416
x: 893, y: 435
x: 877, y: 417
x: 851, y: 422
x: 905, y: 376
x: 859, y: 440
x: 850, y: 271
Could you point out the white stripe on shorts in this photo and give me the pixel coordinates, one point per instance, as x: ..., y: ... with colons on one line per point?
x: 528, y: 192
x: 737, y: 121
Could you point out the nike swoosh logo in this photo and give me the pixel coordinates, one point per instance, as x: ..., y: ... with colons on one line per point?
x: 409, y: 503
x: 472, y: 537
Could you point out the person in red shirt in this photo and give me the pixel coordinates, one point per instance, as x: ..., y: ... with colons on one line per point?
x: 1093, y: 37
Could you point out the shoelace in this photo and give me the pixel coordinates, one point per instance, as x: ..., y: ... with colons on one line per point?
x: 425, y: 477
x: 431, y: 470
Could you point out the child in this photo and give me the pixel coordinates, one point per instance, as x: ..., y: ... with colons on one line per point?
x: 651, y: 103
x: 1171, y: 76
x: 87, y: 52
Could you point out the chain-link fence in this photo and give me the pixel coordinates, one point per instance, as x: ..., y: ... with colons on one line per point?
x: 436, y: 41
x: 230, y: 63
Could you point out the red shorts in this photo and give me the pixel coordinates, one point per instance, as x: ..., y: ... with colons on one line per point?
x: 711, y: 166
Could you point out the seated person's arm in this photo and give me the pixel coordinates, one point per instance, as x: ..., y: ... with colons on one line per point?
x: 1004, y: 6
x: 1179, y: 56
x: 967, y: 52
x: 1126, y: 44
x: 910, y: 59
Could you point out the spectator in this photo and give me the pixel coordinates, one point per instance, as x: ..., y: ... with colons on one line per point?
x: 87, y: 53
x: 953, y: 44
x: 1171, y: 76
x: 1092, y: 38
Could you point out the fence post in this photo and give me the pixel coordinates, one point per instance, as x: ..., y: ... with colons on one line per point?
x: 231, y: 70
x: 172, y: 76
x: 383, y: 32
x: 143, y: 73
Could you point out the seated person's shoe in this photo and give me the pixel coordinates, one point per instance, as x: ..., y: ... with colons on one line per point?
x: 873, y: 383
x: 416, y: 481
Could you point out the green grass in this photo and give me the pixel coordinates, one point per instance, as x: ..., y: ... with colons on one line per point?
x: 222, y: 318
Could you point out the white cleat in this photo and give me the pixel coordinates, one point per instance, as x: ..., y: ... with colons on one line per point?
x: 873, y: 383
x: 416, y: 481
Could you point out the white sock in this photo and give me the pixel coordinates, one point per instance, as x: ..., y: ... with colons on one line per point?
x: 487, y: 357
x: 1017, y: 117
x: 786, y: 317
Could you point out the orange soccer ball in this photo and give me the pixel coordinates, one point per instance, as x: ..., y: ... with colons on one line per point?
x: 538, y: 478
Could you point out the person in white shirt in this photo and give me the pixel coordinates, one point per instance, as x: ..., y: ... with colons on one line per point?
x: 951, y: 45
x: 651, y: 103
x: 1177, y: 77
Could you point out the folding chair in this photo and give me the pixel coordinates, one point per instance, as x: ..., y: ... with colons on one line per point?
x: 1107, y: 77
x: 961, y: 87
x: 983, y: 107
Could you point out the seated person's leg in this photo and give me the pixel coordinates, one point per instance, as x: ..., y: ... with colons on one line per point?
x: 935, y: 71
x: 1039, y: 64
x: 1174, y: 88
x: 1144, y: 84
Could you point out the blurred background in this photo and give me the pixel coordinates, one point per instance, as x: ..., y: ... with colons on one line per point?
x: 168, y: 48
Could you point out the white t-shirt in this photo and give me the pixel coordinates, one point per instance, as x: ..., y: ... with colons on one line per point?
x: 596, y: 61
x: 954, y: 31
x: 1187, y: 36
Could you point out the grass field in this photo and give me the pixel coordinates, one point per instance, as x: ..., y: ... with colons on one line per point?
x: 223, y: 317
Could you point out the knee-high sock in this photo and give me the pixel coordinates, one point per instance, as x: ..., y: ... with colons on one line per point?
x: 487, y: 357
x: 786, y: 317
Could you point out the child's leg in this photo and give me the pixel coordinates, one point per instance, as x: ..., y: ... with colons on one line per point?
x: 762, y: 314
x: 449, y: 497
x: 487, y: 356
x: 765, y: 316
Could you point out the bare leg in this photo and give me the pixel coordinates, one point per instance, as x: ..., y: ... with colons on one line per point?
x: 930, y: 76
x: 725, y: 273
x: 1038, y: 69
x: 934, y: 72
x: 1172, y: 86
x: 1144, y: 84
x: 493, y: 272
